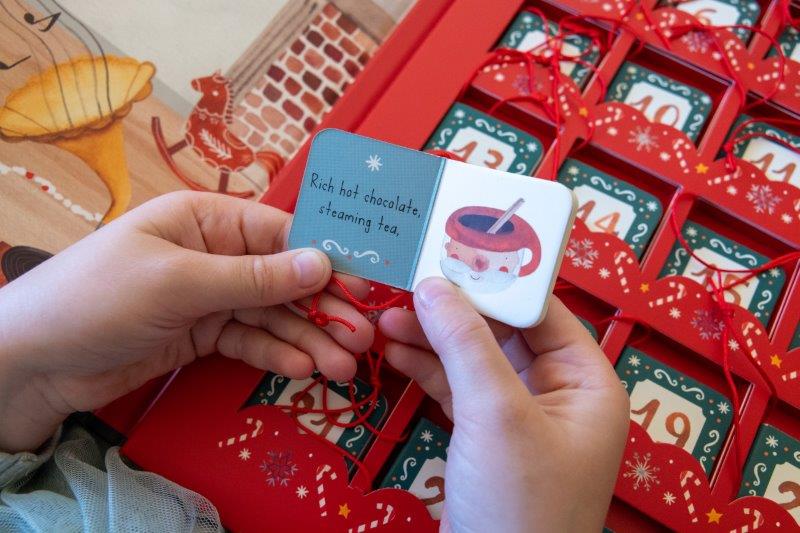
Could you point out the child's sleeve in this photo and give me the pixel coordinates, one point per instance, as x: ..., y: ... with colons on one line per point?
x: 16, y: 466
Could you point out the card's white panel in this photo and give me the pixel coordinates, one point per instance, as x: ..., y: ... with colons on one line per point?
x: 497, y: 283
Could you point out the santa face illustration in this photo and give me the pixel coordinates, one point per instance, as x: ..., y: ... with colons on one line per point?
x: 482, y: 262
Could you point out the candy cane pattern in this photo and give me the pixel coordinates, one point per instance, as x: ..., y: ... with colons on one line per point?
x: 323, y: 470
x: 749, y: 331
x: 686, y: 477
x: 387, y: 516
x: 246, y: 435
x: 757, y: 522
x: 676, y: 295
x: 608, y: 120
x: 676, y: 146
x: 725, y: 178
x: 618, y: 260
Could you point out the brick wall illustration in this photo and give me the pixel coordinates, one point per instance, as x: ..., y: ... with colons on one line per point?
x: 303, y: 83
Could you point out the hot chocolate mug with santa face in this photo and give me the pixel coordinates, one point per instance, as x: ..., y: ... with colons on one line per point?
x: 481, y: 261
x: 498, y: 236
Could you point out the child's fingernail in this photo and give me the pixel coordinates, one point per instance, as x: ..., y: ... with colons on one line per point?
x: 431, y: 290
x: 310, y: 268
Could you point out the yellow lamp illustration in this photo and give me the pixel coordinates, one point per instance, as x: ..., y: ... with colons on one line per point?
x: 78, y: 106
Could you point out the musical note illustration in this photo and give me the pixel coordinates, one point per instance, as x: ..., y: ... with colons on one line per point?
x: 31, y: 20
x: 6, y: 66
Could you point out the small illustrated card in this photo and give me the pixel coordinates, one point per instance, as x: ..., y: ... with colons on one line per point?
x: 773, y: 469
x: 777, y: 162
x: 281, y: 391
x: 420, y: 466
x: 529, y: 34
x: 758, y: 294
x: 398, y: 216
x: 609, y: 205
x: 718, y: 13
x: 660, y: 99
x: 483, y: 140
x: 674, y: 408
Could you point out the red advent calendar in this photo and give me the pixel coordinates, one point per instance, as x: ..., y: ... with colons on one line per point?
x: 675, y: 124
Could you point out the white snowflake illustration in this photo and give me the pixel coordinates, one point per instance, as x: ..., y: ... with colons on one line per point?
x: 651, y: 206
x: 634, y: 360
x: 612, y: 131
x: 731, y: 190
x: 664, y: 156
x: 762, y: 198
x: 459, y: 113
x: 643, y: 139
x: 733, y: 344
x: 641, y: 471
x: 244, y: 454
x: 668, y: 498
x: 573, y: 170
x: 532, y: 147
x: 771, y: 441
x: 582, y: 253
x: 691, y: 231
x: 723, y: 408
x: 697, y: 42
x: 774, y: 272
x: 674, y: 312
x: 301, y: 491
x: 279, y: 467
x: 708, y: 324
x: 426, y: 436
x: 604, y: 273
x: 786, y: 218
x: 374, y: 163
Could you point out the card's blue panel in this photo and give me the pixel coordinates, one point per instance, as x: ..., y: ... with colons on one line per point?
x: 366, y: 204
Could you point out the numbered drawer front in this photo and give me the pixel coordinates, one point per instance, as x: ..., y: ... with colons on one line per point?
x: 674, y: 408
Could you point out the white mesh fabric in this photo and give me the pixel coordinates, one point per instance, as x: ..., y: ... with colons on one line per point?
x: 82, y: 489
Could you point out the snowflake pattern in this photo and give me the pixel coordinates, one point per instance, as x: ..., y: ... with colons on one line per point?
x: 664, y: 156
x: 279, y: 467
x: 771, y: 441
x: 604, y: 273
x: 374, y: 163
x: 641, y: 471
x: 786, y: 218
x: 643, y: 139
x: 651, y: 206
x: 696, y: 42
x: 674, y: 312
x: 691, y: 231
x: 731, y: 190
x: 582, y: 253
x: 244, y: 454
x: 301, y: 491
x: 733, y: 344
x: 708, y: 324
x: 762, y: 198
x: 634, y: 360
x: 723, y: 408
x: 426, y: 436
x: 668, y: 498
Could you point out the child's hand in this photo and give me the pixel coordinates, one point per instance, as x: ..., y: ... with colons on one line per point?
x: 181, y: 277
x: 540, y: 417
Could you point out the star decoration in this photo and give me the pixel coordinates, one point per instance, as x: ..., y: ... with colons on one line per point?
x: 701, y: 168
x: 774, y: 272
x: 775, y: 361
x: 772, y: 442
x: 713, y: 516
x: 750, y: 65
x: 244, y: 454
x: 344, y: 510
x: 669, y: 498
x: 426, y: 436
x: 634, y: 360
x: 583, y: 112
x: 644, y: 287
x: 573, y: 170
x: 691, y: 231
x: 301, y: 491
x: 723, y: 408
x: 674, y: 312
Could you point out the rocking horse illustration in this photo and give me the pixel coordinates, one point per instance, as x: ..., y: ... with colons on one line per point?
x: 207, y: 134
